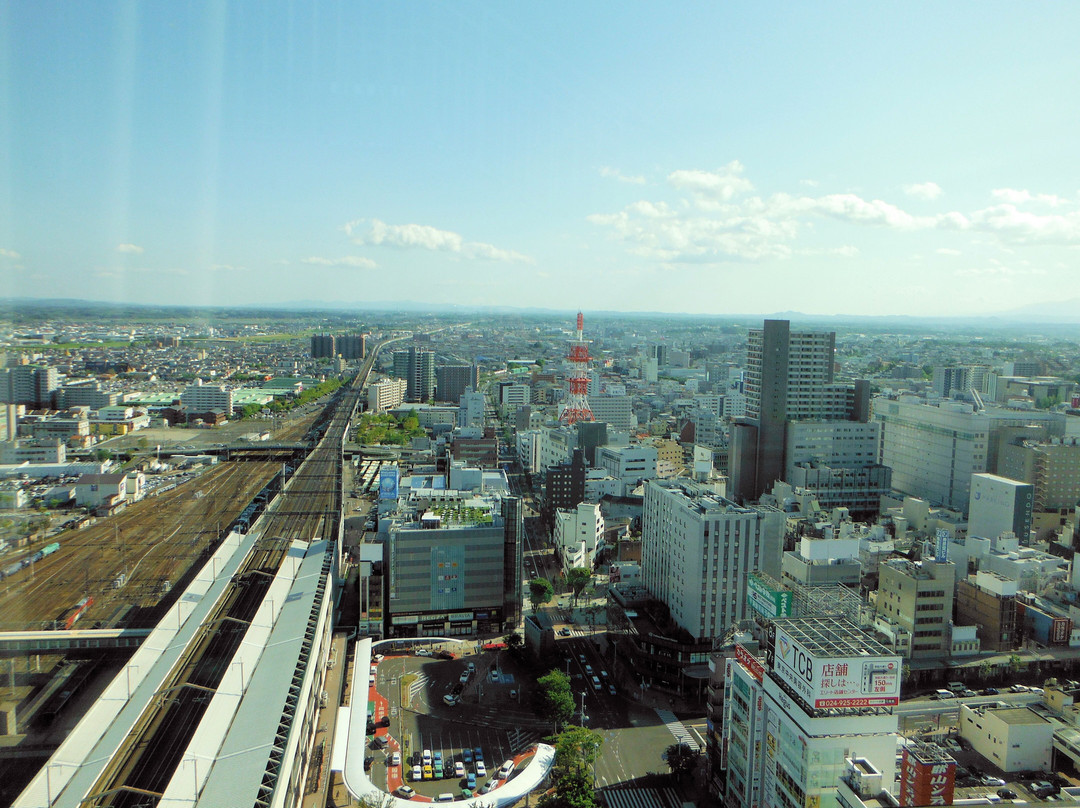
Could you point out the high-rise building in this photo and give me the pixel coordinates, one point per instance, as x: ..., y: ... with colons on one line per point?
x: 323, y: 346
x: 200, y: 398
x: 789, y: 377
x: 32, y: 385
x: 417, y: 367
x: 934, y: 449
x: 564, y: 486
x: 352, y: 346
x: 697, y: 549
x: 451, y: 381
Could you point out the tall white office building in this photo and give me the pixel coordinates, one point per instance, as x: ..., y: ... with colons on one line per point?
x: 697, y: 549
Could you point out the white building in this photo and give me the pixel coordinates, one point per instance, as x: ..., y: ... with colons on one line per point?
x: 199, y: 397
x: 471, y: 409
x: 783, y: 749
x: 616, y: 411
x: 999, y: 505
x: 1012, y: 738
x: 386, y: 394
x: 630, y: 464
x: 514, y: 395
x: 579, y: 535
x: 934, y: 449
x: 697, y: 549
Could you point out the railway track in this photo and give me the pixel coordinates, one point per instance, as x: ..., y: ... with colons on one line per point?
x: 152, y: 541
x: 310, y: 509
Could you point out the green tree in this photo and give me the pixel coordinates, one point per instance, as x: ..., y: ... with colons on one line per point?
x: 553, y: 698
x: 576, y: 751
x: 681, y: 759
x: 513, y: 641
x: 102, y: 455
x: 540, y: 592
x: 577, y: 579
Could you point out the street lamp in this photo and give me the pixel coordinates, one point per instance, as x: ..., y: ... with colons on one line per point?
x: 584, y: 717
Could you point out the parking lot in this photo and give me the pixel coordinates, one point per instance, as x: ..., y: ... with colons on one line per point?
x: 440, y: 712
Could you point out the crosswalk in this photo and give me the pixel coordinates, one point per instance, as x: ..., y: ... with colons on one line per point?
x: 522, y: 739
x: 681, y: 733
x: 640, y: 798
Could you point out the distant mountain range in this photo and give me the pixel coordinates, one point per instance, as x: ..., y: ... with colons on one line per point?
x: 1048, y: 315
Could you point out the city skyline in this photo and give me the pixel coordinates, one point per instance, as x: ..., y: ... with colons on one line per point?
x: 717, y: 160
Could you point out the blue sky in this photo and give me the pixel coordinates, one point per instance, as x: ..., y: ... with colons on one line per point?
x: 716, y: 158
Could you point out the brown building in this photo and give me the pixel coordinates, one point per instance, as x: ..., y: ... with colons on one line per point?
x: 988, y: 601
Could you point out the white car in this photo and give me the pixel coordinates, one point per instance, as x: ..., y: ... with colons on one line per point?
x: 395, y: 759
x: 423, y: 652
x: 426, y: 757
x: 406, y: 792
x: 415, y: 775
x: 481, y: 769
x: 459, y: 769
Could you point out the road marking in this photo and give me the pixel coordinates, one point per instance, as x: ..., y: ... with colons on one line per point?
x: 682, y: 735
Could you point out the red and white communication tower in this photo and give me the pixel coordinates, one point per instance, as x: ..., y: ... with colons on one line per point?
x: 576, y: 406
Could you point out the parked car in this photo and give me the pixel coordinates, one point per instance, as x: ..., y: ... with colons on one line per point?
x: 459, y: 769
x: 466, y: 755
x: 481, y: 769
x: 1006, y: 793
x: 489, y: 785
x: 991, y: 691
x: 989, y: 780
x: 395, y: 759
x: 470, y: 780
x: 416, y: 774
x: 478, y: 753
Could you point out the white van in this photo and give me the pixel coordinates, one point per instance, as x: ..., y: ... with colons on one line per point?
x: 506, y: 769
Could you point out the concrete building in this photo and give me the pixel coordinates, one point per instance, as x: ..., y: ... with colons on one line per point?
x: 789, y: 377
x: 823, y: 562
x: 32, y: 385
x: 386, y: 394
x: 351, y: 346
x: 513, y: 395
x: 987, y: 601
x: 793, y: 717
x: 84, y: 394
x: 200, y: 398
x: 630, y: 464
x: 471, y: 406
x: 918, y: 596
x: 451, y: 381
x: 697, y: 549
x: 934, y: 449
x: 1051, y: 467
x: 616, y: 411
x: 564, y: 486
x: 1012, y: 738
x: 836, y: 461
x: 453, y: 558
x: 33, y: 451
x: 417, y: 367
x: 579, y: 535
x: 323, y: 346
x: 1000, y: 505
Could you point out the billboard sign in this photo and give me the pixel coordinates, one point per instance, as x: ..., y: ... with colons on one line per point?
x: 747, y: 660
x: 766, y: 601
x: 926, y: 782
x: 388, y: 482
x: 941, y: 546
x: 827, y: 682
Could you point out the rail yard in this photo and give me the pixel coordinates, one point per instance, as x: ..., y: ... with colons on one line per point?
x: 127, y: 563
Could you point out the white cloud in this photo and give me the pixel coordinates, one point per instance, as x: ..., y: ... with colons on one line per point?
x: 1022, y: 197
x: 723, y: 185
x: 923, y: 190
x: 133, y: 249
x: 947, y: 251
x: 715, y: 221
x: 420, y: 236
x: 343, y: 261
x: 998, y: 271
x: 227, y: 268
x: 614, y: 174
x: 4, y: 253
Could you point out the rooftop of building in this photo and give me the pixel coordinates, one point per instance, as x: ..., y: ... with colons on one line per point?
x: 831, y: 636
x: 1017, y: 716
x: 912, y: 569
